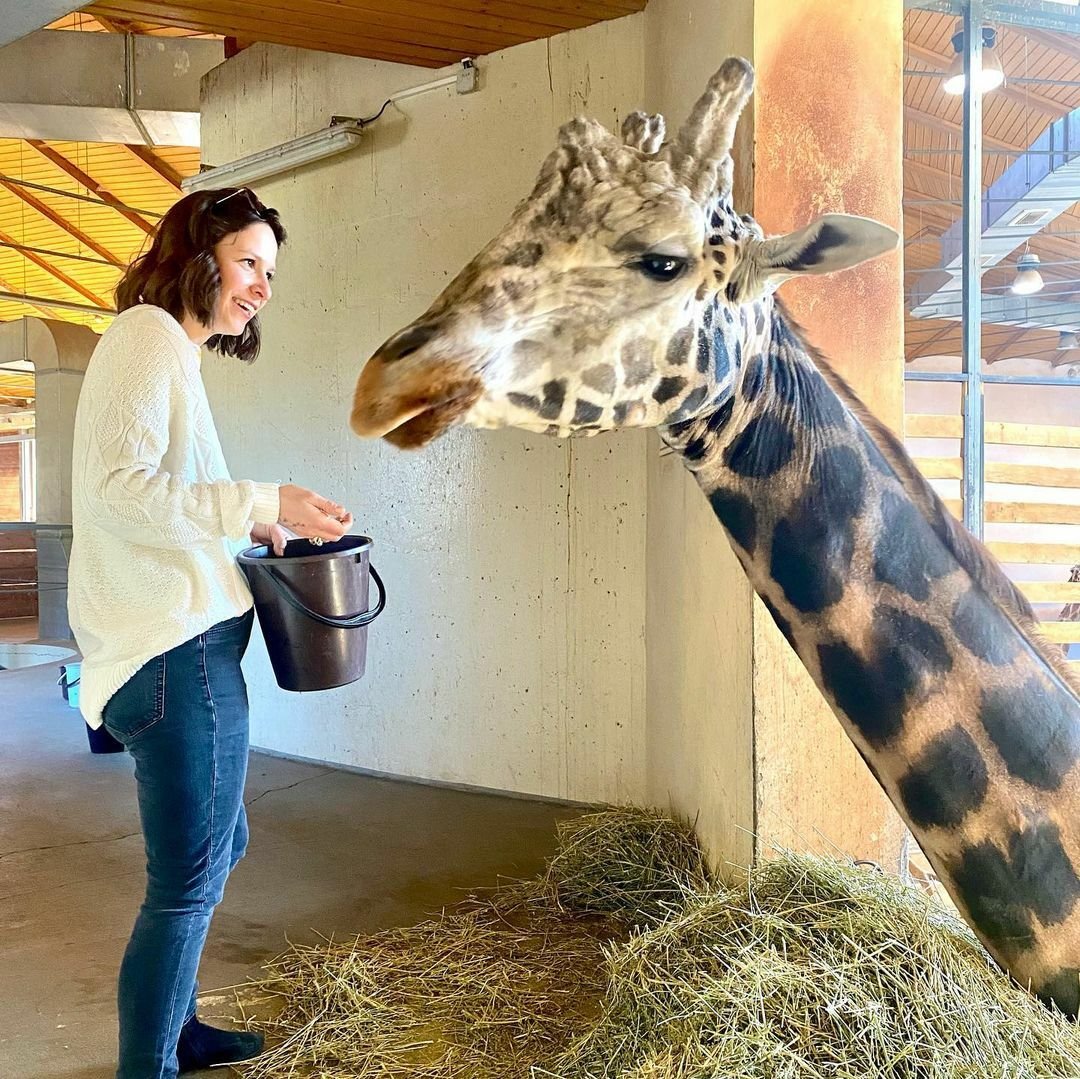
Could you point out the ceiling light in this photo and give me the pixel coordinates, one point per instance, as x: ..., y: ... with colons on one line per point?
x: 1028, y: 279
x: 327, y: 142
x: 1066, y: 340
x: 992, y: 74
x: 343, y: 133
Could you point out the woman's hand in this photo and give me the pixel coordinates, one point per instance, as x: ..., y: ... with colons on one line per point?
x: 275, y: 536
x: 310, y: 515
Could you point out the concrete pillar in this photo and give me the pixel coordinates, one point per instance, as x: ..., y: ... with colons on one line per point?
x: 740, y: 739
x: 59, y: 352
x: 828, y: 135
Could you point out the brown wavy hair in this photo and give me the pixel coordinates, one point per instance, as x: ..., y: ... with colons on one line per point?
x: 180, y: 273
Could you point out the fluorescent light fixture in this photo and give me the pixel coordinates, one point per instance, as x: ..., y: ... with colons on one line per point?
x: 1066, y: 340
x: 992, y: 74
x: 1028, y: 279
x: 343, y: 133
x: 319, y: 145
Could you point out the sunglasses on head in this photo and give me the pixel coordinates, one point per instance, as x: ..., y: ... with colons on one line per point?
x: 248, y: 194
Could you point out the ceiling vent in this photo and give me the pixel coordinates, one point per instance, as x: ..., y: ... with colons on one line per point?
x: 1027, y: 219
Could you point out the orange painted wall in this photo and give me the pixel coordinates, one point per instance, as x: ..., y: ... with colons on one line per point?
x: 829, y: 112
x: 828, y: 134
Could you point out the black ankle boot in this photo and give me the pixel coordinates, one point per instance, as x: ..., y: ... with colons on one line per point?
x: 201, y: 1046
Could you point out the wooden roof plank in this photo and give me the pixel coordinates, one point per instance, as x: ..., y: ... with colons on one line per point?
x: 57, y: 273
x: 90, y: 184
x: 46, y: 211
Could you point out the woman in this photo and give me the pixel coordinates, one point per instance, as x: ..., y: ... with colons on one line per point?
x: 158, y: 606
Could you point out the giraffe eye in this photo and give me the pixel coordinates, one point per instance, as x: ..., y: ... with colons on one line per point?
x: 661, y: 267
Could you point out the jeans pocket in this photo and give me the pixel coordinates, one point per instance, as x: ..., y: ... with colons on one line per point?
x: 139, y: 703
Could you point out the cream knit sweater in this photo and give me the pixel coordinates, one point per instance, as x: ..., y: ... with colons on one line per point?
x: 156, y: 519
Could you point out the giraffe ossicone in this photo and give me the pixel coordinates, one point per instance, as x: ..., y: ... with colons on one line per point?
x: 626, y: 291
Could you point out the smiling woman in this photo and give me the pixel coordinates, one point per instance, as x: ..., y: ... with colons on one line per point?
x: 158, y: 606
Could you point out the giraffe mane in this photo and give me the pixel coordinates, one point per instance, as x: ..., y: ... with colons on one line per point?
x: 972, y: 554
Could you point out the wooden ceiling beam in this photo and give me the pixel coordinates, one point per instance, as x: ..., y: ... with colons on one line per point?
x: 297, y: 36
x: 947, y: 127
x: 927, y: 348
x: 394, y: 22
x: 1065, y: 44
x: 72, y: 230
x: 86, y: 180
x: 158, y: 164
x: 999, y: 352
x: 112, y: 25
x: 561, y: 14
x: 48, y: 312
x: 57, y: 273
x: 1028, y: 98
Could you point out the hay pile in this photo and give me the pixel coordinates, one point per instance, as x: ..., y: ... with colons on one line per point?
x: 807, y: 969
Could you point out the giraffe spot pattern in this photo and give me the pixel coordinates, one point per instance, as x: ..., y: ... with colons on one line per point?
x: 1003, y: 891
x: 703, y: 351
x: 721, y: 358
x: 678, y: 348
x: 980, y: 628
x: 1063, y: 990
x: 904, y: 653
x: 988, y: 889
x: 753, y: 379
x: 719, y: 419
x: 875, y: 458
x: 489, y: 304
x: 586, y: 412
x: 693, y: 401
x: 861, y: 693
x: 812, y: 546
x: 737, y: 514
x: 908, y: 555
x: 946, y: 782
x: 514, y: 289
x: 554, y: 396
x: 761, y: 448
x: 636, y: 362
x: 524, y: 400
x: 668, y: 387
x: 1035, y: 728
x: 600, y: 377
x: 1040, y: 861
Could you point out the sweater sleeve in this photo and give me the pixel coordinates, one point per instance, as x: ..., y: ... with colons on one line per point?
x: 125, y: 489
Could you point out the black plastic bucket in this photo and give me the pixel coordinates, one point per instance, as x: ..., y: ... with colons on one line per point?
x: 312, y: 604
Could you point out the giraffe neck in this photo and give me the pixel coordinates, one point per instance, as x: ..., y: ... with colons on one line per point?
x: 970, y: 730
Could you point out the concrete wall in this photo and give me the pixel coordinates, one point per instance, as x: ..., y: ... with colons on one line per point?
x: 700, y: 703
x: 512, y: 651
x: 565, y: 619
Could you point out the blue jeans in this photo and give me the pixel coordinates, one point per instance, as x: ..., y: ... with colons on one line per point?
x: 183, y: 716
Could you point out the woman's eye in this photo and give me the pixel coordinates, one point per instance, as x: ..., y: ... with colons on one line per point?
x: 661, y: 267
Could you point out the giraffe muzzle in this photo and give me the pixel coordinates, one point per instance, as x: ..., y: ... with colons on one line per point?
x: 410, y: 409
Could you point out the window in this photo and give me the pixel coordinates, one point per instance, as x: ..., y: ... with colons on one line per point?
x: 992, y: 282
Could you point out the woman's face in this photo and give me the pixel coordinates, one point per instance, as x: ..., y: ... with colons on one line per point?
x: 246, y: 262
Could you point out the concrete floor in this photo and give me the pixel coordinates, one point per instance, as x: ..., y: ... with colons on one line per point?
x: 332, y: 853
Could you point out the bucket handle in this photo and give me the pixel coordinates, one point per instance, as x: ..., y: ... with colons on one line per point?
x: 346, y: 621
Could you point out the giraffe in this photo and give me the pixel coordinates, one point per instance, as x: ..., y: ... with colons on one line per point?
x: 627, y: 292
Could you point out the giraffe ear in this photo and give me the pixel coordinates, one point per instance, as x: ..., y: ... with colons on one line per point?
x: 833, y: 242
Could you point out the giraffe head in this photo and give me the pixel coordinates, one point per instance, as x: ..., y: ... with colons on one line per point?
x: 620, y: 294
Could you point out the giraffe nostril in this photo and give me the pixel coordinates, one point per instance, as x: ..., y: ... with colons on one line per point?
x: 409, y: 341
